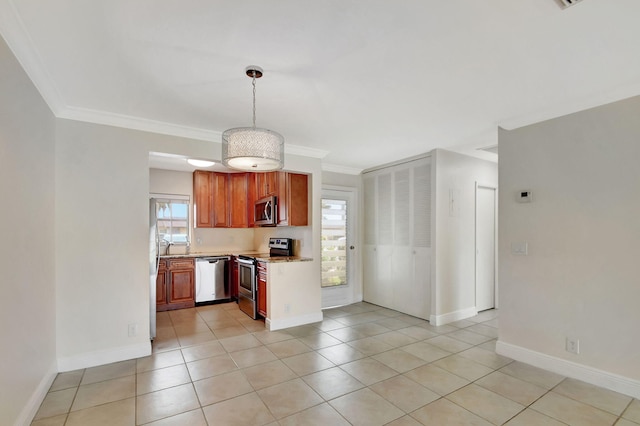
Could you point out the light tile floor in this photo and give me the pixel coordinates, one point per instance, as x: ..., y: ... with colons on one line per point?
x: 363, y: 365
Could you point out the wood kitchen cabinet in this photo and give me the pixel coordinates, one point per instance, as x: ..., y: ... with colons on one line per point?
x: 233, y: 279
x: 252, y: 196
x: 203, y: 199
x: 238, y: 200
x: 262, y: 289
x: 161, y: 286
x: 266, y: 184
x: 226, y: 200
x: 293, y: 199
x: 175, y: 284
x: 220, y: 200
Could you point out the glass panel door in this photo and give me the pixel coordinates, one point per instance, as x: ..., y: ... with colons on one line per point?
x: 338, y: 249
x: 334, y: 242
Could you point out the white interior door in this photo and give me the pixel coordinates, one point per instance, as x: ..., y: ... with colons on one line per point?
x: 485, y: 248
x: 338, y: 247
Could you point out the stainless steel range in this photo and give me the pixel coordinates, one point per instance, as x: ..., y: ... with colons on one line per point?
x: 247, y: 274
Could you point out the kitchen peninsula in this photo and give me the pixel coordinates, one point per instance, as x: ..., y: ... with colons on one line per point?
x: 283, y: 301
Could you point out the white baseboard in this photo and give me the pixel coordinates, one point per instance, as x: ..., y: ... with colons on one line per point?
x: 31, y: 408
x: 279, y: 324
x: 571, y: 369
x: 92, y: 359
x: 453, y: 316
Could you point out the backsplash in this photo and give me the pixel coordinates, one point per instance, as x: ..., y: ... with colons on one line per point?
x: 220, y: 239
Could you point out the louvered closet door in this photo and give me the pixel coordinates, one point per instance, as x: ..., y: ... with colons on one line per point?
x: 402, y: 258
x: 420, y: 304
x: 384, y: 247
x: 397, y: 252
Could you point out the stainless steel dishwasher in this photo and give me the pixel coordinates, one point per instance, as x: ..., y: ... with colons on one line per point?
x: 212, y: 283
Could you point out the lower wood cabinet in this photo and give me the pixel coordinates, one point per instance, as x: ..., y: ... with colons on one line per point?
x: 233, y: 279
x: 262, y: 289
x: 161, y: 286
x: 175, y: 285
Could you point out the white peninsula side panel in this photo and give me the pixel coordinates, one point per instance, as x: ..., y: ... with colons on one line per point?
x: 293, y: 294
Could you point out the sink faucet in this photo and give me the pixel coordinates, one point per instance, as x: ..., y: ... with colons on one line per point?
x: 169, y: 244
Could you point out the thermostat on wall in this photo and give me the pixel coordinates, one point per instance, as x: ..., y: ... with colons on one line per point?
x: 524, y: 196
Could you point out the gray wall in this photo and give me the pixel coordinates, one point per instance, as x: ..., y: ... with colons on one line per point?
x: 581, y: 278
x: 27, y: 317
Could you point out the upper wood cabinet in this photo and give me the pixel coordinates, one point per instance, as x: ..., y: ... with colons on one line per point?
x: 238, y: 200
x: 252, y: 196
x: 203, y: 199
x: 220, y: 200
x: 293, y: 199
x: 226, y: 200
x: 267, y: 184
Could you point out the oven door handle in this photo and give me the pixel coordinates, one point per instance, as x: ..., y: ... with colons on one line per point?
x: 246, y: 262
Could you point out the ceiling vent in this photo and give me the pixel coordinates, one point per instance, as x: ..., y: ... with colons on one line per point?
x: 566, y: 3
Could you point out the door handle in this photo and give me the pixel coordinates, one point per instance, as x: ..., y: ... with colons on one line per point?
x: 352, y: 247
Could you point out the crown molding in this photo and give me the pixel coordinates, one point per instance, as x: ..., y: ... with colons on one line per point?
x: 146, y: 125
x: 305, y: 151
x: 17, y: 37
x: 336, y: 168
x: 137, y: 123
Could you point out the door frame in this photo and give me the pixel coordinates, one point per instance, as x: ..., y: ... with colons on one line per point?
x: 354, y: 276
x: 494, y: 187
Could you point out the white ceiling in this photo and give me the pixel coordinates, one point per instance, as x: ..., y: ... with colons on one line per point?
x: 357, y: 82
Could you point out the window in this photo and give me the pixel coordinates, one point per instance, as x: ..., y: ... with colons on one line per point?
x: 173, y: 220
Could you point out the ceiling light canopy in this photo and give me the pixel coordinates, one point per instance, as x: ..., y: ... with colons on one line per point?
x: 253, y: 148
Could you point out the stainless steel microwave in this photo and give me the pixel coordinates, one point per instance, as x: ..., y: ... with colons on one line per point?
x: 266, y: 211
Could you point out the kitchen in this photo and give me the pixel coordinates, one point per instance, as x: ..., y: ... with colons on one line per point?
x: 288, y: 297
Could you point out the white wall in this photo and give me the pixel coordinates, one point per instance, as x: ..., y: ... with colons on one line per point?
x: 102, y: 191
x: 341, y: 179
x: 581, y: 278
x: 453, y: 272
x: 171, y: 182
x: 27, y: 258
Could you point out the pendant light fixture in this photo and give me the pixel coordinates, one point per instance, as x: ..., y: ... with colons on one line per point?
x: 253, y: 148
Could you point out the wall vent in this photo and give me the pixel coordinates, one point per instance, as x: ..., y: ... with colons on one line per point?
x: 566, y: 3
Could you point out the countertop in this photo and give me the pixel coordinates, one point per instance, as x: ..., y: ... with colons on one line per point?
x: 261, y: 256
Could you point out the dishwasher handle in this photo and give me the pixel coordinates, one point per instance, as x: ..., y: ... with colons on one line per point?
x: 212, y: 259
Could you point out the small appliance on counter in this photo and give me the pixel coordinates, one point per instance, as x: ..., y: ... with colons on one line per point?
x: 247, y: 274
x: 280, y: 247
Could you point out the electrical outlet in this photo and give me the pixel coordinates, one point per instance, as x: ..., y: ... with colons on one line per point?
x: 133, y: 329
x: 287, y: 308
x: 573, y: 345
